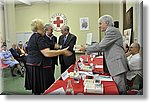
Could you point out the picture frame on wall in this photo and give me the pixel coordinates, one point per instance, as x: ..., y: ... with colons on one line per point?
x: 127, y: 36
x: 129, y: 26
x: 84, y: 23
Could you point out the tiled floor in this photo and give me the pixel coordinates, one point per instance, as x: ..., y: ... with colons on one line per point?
x: 15, y: 85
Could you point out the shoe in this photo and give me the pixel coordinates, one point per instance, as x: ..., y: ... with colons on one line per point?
x: 18, y: 72
x: 14, y: 75
x: 22, y: 75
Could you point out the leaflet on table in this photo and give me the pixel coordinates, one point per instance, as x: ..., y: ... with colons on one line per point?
x: 86, y: 73
x: 94, y: 88
x: 65, y: 75
x: 71, y: 74
x: 105, y: 78
x: 85, y: 67
x: 99, y: 57
x: 59, y: 91
x: 98, y: 66
x: 91, y: 87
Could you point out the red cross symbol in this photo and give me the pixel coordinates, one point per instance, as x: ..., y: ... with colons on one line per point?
x: 58, y: 21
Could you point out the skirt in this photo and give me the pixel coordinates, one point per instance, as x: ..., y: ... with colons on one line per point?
x: 38, y: 79
x: 11, y: 63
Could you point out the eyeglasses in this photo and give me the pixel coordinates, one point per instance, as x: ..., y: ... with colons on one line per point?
x: 130, y: 47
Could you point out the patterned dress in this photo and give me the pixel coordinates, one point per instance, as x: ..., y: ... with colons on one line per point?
x: 8, y: 58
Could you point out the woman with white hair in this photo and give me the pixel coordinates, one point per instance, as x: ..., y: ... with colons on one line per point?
x: 112, y: 45
x: 37, y: 73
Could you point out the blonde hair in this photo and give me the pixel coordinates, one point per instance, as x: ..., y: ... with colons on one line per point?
x: 36, y: 24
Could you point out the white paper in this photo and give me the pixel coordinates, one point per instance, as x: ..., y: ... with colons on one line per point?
x: 65, y: 75
x: 86, y: 73
x: 105, y: 78
x: 59, y: 91
x: 98, y: 66
x: 89, y: 38
x: 99, y: 57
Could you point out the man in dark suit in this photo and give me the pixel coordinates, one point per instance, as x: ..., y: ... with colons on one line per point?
x: 112, y: 45
x: 17, y: 55
x: 14, y: 52
x: 51, y: 40
x: 67, y: 40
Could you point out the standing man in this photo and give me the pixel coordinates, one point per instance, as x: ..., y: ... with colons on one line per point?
x: 51, y: 41
x: 67, y: 40
x: 112, y: 45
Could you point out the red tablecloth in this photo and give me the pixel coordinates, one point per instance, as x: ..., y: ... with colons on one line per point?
x: 109, y: 86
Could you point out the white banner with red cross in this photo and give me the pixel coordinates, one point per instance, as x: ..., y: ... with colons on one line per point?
x: 58, y: 20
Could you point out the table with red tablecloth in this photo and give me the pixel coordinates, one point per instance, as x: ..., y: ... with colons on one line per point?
x: 110, y: 87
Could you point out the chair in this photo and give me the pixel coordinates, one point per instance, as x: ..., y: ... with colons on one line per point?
x: 136, y: 86
x: 132, y: 92
x: 3, y: 66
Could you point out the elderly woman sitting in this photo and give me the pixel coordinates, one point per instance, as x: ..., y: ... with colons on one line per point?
x: 7, y: 58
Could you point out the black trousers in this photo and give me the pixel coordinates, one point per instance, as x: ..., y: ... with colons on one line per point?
x: 105, y: 65
x: 64, y: 67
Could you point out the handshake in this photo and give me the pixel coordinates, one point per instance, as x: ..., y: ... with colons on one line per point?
x: 65, y: 51
x: 57, y: 46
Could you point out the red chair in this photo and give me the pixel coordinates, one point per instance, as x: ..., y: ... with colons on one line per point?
x: 3, y: 66
x: 132, y: 92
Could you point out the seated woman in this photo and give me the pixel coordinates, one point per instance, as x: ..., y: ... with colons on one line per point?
x: 7, y: 58
x: 21, y: 50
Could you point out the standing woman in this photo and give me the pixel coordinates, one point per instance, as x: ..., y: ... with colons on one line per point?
x: 37, y: 72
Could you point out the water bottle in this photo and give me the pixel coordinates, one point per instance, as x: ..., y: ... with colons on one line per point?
x: 86, y: 58
x: 76, y: 74
x: 69, y: 88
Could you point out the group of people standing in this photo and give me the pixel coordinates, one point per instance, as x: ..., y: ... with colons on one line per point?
x: 43, y: 50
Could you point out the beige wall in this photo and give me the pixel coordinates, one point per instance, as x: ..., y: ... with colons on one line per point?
x: 2, y: 37
x: 25, y: 14
x: 114, y: 9
x: 136, y: 19
x: 10, y: 25
x: 73, y: 12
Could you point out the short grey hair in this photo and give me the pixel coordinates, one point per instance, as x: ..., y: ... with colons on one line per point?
x: 66, y: 27
x: 47, y: 26
x: 107, y: 19
x: 137, y: 45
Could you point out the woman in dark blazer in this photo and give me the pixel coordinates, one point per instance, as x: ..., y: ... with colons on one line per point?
x: 38, y: 71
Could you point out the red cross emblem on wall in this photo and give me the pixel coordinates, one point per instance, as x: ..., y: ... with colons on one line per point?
x: 58, y: 21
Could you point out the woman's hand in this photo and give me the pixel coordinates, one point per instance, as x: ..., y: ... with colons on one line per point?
x: 57, y: 46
